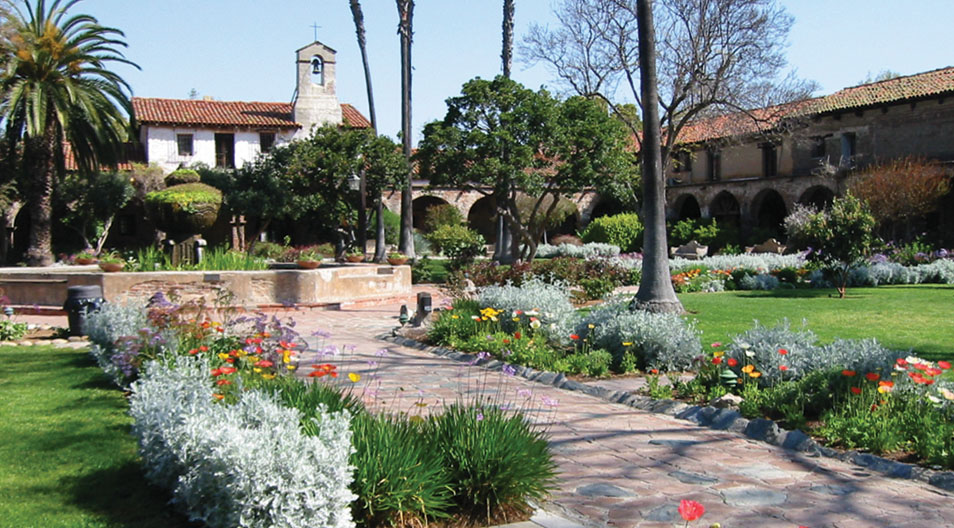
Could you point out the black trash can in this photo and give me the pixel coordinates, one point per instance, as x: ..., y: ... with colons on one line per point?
x: 81, y: 301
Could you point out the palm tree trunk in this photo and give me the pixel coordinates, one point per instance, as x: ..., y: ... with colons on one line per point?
x: 406, y: 14
x: 40, y: 194
x: 358, y: 17
x: 506, y: 54
x: 656, y: 293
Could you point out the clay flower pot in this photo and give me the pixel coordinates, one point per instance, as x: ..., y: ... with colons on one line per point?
x: 110, y: 267
x: 309, y: 264
x: 397, y: 261
x: 355, y: 258
x: 84, y: 261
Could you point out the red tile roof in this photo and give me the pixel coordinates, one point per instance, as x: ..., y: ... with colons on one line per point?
x: 911, y: 87
x: 187, y: 112
x: 132, y: 153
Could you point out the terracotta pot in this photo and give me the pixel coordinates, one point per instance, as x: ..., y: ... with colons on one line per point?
x: 355, y: 258
x: 84, y: 261
x: 309, y: 264
x: 110, y: 267
x: 397, y: 261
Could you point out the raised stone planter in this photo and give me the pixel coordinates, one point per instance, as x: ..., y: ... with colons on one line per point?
x: 326, y: 285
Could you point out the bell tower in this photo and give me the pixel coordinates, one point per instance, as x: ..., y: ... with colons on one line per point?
x: 315, y: 101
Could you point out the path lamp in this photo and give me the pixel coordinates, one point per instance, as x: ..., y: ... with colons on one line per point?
x: 8, y: 311
x: 404, y: 317
x: 729, y: 378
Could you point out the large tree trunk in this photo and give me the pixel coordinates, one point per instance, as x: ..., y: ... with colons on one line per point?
x: 40, y: 194
x: 358, y: 16
x: 656, y: 293
x: 503, y: 246
x: 406, y: 13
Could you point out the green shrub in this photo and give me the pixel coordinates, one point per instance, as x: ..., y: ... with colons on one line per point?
x: 268, y: 250
x: 459, y: 243
x: 11, y: 331
x: 623, y: 230
x: 441, y: 215
x: 180, y: 176
x: 593, y: 363
x: 392, y: 226
x: 493, y: 458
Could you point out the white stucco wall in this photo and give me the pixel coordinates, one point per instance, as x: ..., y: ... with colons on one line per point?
x: 163, y: 149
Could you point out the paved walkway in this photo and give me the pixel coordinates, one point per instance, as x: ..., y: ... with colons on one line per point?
x: 624, y: 467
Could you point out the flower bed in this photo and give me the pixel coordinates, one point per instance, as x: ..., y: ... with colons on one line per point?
x: 223, y: 423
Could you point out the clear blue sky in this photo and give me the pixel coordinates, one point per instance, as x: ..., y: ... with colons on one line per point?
x: 244, y: 49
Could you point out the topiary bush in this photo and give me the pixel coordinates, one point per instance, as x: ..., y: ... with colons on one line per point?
x: 180, y: 176
x: 624, y: 230
x: 188, y: 208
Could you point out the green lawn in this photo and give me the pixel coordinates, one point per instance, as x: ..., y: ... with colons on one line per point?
x: 66, y: 456
x: 915, y: 317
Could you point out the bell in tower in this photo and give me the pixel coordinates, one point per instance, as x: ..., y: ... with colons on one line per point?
x: 315, y: 103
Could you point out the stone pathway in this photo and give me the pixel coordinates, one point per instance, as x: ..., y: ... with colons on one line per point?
x: 624, y: 467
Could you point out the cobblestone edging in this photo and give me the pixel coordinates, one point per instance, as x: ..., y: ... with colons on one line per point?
x: 725, y: 419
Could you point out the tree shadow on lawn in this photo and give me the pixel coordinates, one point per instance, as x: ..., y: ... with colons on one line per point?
x: 122, y: 495
x: 803, y: 293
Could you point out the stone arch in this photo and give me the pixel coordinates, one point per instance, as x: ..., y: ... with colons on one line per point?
x: 769, y: 211
x: 687, y: 206
x: 482, y: 217
x: 725, y: 209
x: 604, y: 206
x: 818, y: 196
x: 421, y: 204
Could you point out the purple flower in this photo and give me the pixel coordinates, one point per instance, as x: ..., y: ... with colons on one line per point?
x: 381, y: 353
x: 524, y: 392
x: 480, y: 416
x: 549, y: 402
x: 509, y: 370
x: 483, y: 355
x: 321, y: 333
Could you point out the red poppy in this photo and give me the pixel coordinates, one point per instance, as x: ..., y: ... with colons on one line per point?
x: 216, y: 372
x: 516, y: 335
x: 855, y: 390
x: 944, y: 365
x: 506, y: 341
x: 264, y: 363
x: 716, y: 360
x: 901, y: 362
x: 783, y: 367
x: 230, y: 360
x: 316, y: 374
x: 194, y: 351
x: 732, y: 362
x: 931, y: 371
x: 204, y: 348
x: 691, y: 510
x: 654, y: 371
x: 574, y: 337
x: 920, y: 366
x: 886, y: 383
x: 228, y: 370
x: 872, y: 376
x: 782, y: 351
x: 223, y: 382
x: 848, y: 373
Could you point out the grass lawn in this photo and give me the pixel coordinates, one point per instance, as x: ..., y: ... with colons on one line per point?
x: 67, y: 459
x: 908, y: 317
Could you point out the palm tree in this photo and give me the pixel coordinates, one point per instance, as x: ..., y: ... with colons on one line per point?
x: 55, y: 87
x: 655, y: 287
x: 379, y: 246
x: 405, y: 14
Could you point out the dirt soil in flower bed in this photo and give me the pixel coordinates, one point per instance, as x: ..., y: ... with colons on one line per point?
x: 501, y: 516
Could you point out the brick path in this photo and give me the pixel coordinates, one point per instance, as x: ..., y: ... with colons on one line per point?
x: 625, y: 467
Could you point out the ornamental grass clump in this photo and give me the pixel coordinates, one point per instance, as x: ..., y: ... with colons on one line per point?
x: 639, y: 338
x: 495, y: 459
